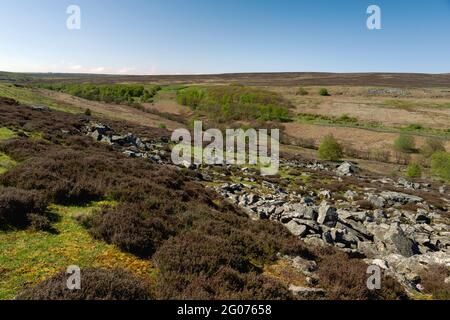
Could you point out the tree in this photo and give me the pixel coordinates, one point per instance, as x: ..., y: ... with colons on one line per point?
x: 405, y: 143
x: 330, y: 149
x: 440, y: 165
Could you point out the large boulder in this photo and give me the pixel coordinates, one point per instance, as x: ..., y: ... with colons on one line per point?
x: 400, y: 197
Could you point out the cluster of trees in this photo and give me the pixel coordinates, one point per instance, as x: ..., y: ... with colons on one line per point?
x: 235, y: 102
x: 117, y: 93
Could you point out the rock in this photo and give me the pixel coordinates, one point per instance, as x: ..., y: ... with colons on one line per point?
x: 380, y: 263
x: 307, y: 293
x: 422, y: 217
x: 376, y: 201
x: 96, y: 136
x: 404, y: 246
x: 327, y: 216
x: 350, y: 195
x: 305, y: 266
x: 325, y: 194
x: 390, y: 239
x: 369, y: 249
x: 400, y: 197
x: 442, y: 190
x: 346, y: 169
x: 296, y: 229
x: 130, y: 153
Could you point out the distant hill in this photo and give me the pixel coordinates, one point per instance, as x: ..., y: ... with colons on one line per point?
x: 277, y: 79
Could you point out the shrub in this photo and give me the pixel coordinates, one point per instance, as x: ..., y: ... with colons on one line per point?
x: 302, y: 92
x: 440, y: 165
x: 16, y: 205
x: 88, y: 112
x: 432, y: 145
x: 433, y: 280
x: 414, y: 170
x: 96, y: 284
x: 324, y: 92
x: 405, y: 143
x: 346, y: 279
x: 330, y: 149
x: 128, y: 228
x: 227, y: 284
x: 198, y: 266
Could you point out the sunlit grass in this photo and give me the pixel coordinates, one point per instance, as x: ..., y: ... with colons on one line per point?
x: 28, y: 257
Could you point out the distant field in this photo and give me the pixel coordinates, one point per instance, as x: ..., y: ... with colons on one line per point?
x: 365, y: 112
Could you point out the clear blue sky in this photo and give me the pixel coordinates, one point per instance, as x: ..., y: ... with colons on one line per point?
x: 220, y: 36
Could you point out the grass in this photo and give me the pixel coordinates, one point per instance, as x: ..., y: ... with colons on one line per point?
x: 28, y: 257
x: 6, y: 163
x: 352, y: 122
x: 30, y: 96
x: 6, y: 134
x: 408, y: 105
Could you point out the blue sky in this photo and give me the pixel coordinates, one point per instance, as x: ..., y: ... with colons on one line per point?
x: 222, y: 36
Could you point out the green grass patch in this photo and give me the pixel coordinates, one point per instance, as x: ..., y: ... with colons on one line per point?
x: 28, y: 257
x: 29, y: 96
x: 6, y: 134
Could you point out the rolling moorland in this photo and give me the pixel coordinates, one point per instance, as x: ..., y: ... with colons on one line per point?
x: 86, y: 179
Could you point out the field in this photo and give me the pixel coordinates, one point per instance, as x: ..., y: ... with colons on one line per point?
x: 187, y: 233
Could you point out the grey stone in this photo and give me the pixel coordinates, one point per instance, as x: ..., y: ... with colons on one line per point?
x: 346, y: 169
x: 296, y: 229
x: 327, y: 216
x: 307, y: 293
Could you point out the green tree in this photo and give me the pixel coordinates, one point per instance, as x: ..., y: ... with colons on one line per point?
x: 330, y: 149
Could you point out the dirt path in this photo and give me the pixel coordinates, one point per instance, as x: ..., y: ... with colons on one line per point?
x: 114, y: 111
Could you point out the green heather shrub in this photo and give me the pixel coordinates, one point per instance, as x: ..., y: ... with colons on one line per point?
x: 330, y: 149
x: 414, y: 170
x: 432, y: 145
x: 405, y: 143
x: 440, y: 165
x: 324, y: 92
